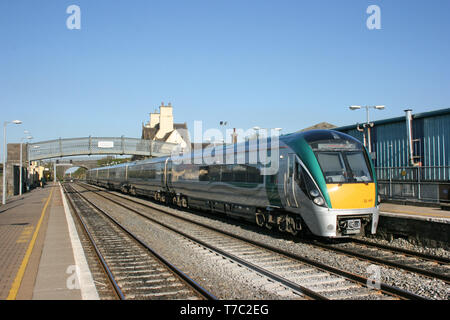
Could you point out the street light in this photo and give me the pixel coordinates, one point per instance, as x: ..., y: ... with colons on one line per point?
x: 368, y: 124
x: 224, y: 124
x: 21, y: 142
x: 4, y: 156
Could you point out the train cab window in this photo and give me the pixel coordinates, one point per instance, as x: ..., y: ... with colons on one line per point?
x: 333, y: 166
x: 344, y: 166
x: 358, y: 166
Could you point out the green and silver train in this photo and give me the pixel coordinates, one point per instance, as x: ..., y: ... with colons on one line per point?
x: 324, y: 183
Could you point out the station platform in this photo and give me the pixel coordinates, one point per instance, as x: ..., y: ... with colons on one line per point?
x: 416, y: 212
x: 41, y: 255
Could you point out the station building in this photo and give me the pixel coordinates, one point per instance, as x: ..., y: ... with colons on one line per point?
x: 161, y: 127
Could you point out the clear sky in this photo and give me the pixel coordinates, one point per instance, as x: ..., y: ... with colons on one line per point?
x: 267, y: 63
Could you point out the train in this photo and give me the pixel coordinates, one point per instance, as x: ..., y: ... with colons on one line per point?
x: 324, y: 183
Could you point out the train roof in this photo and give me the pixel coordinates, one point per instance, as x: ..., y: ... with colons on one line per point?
x: 319, y: 135
x: 151, y: 160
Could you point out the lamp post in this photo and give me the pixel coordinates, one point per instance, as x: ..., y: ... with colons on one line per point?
x: 21, y: 142
x: 224, y: 124
x: 368, y: 124
x: 4, y: 157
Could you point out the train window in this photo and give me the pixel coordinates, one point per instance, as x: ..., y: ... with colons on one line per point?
x: 333, y: 166
x: 298, y: 171
x: 341, y: 167
x: 254, y: 175
x: 133, y: 172
x: 291, y: 162
x: 227, y: 173
x: 302, y: 182
x: 148, y: 172
x: 214, y: 173
x: 239, y: 173
x: 272, y: 179
x: 139, y: 172
x: 358, y: 166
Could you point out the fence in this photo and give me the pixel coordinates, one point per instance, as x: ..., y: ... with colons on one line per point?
x: 412, y: 183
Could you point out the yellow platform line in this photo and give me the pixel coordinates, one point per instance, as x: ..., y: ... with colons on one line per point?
x: 18, y: 280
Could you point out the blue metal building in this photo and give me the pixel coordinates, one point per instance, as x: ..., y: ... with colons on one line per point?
x: 421, y: 156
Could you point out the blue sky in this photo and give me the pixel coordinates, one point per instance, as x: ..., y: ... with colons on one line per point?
x: 277, y: 63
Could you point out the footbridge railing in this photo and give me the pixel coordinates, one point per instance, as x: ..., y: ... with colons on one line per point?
x: 98, y: 145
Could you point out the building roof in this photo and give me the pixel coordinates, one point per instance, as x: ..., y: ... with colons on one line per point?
x: 149, y: 133
x: 400, y: 119
x: 322, y: 125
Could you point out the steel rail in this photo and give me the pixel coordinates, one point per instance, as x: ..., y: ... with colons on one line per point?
x: 432, y: 258
x: 307, y: 292
x: 385, y: 288
x: 192, y: 283
x: 99, y: 255
x: 350, y: 252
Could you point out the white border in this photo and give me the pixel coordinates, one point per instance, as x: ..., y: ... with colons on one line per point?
x: 85, y: 280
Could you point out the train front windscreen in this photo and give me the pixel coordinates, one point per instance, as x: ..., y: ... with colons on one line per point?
x: 346, y: 168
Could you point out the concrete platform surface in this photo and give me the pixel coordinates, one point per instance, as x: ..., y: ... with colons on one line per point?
x: 42, y: 258
x: 415, y: 212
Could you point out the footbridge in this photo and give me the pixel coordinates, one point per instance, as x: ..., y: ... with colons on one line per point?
x: 98, y: 146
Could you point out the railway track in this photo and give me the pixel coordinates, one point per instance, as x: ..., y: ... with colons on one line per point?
x: 134, y: 270
x: 423, y: 264
x: 310, y: 278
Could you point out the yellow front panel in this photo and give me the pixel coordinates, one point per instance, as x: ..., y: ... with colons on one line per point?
x: 352, y: 195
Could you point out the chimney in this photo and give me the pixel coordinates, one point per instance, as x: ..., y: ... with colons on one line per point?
x: 154, y: 119
x: 409, y: 139
x: 165, y: 120
x: 234, y: 136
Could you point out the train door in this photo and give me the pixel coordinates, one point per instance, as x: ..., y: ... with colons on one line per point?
x: 168, y: 175
x: 289, y: 181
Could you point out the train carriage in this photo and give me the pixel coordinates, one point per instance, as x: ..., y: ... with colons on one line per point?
x: 324, y: 183
x: 146, y: 178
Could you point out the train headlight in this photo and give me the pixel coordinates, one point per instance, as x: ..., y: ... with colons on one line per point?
x: 319, y: 201
x: 314, y: 193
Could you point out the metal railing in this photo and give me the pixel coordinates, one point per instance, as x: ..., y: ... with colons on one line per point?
x: 412, y: 183
x: 98, y: 145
